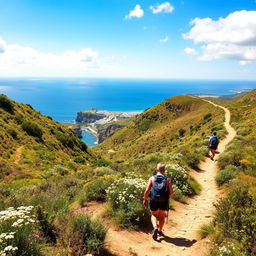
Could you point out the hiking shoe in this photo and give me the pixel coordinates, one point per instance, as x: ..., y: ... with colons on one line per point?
x: 160, y: 233
x: 155, y: 232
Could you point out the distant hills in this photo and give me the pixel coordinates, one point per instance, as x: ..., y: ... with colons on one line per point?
x: 177, y: 121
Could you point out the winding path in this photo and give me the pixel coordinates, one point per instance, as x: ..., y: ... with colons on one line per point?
x: 181, y: 238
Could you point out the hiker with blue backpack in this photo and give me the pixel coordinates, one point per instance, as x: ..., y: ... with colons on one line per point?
x: 213, y: 145
x: 159, y: 189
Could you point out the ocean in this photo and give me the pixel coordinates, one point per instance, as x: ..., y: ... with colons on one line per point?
x: 62, y: 98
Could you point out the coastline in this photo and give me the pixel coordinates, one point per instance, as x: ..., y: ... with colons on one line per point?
x: 92, y: 130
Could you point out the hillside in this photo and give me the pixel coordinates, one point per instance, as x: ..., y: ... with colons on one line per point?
x: 235, y: 214
x: 32, y: 144
x: 44, y: 165
x: 180, y: 120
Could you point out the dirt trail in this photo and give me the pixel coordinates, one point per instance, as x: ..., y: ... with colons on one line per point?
x: 17, y: 155
x: 181, y: 237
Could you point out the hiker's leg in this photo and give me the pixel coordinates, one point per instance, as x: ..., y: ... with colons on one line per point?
x: 154, y: 218
x: 161, y: 219
x: 213, y: 152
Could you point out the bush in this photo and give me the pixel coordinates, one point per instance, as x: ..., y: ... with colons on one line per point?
x: 179, y: 177
x: 32, y: 129
x: 182, y: 132
x: 100, y: 162
x: 125, y: 198
x: 13, y: 133
x: 145, y: 124
x: 205, y: 230
x: 66, y: 140
x: 226, y: 175
x: 236, y: 218
x: 96, y: 189
x: 101, y: 171
x: 227, y: 248
x: 46, y: 225
x: 6, y: 104
x: 230, y: 158
x: 192, y: 160
x: 79, y: 159
x: 86, y: 236
x: 208, y: 116
x: 18, y: 233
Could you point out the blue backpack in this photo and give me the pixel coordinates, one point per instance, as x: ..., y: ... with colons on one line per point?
x: 159, y: 191
x: 214, y: 141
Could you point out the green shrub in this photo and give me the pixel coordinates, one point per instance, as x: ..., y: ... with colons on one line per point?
x: 178, y: 195
x: 86, y: 236
x: 125, y: 198
x: 96, y: 189
x: 182, y: 132
x: 236, y: 218
x: 145, y: 124
x: 79, y: 159
x: 13, y: 133
x: 82, y: 146
x: 192, y: 160
x: 19, y: 233
x: 227, y: 248
x: 101, y: 171
x: 179, y: 177
x: 32, y: 129
x: 208, y: 116
x: 6, y: 104
x: 45, y: 225
x: 226, y: 175
x: 19, y: 118
x: 230, y: 158
x: 66, y: 140
x: 206, y: 230
x: 100, y: 162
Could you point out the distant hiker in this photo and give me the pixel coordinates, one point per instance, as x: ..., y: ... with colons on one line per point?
x: 160, y: 190
x: 213, y: 145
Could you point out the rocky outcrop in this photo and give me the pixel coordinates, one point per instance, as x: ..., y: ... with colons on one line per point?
x: 104, y: 133
x: 78, y: 132
x: 89, y: 117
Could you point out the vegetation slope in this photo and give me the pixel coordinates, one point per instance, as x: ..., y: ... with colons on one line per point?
x: 234, y: 227
x: 31, y: 144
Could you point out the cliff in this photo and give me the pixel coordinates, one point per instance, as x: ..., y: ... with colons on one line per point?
x: 104, y: 133
x: 89, y: 117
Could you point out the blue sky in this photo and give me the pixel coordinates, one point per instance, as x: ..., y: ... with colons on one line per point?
x: 114, y: 38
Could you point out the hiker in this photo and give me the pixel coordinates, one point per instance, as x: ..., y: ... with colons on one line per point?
x: 213, y: 145
x: 160, y: 190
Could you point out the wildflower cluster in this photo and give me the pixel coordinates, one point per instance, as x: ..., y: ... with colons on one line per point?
x: 126, y: 189
x: 21, y: 216
x: 15, y: 226
x: 125, y: 197
x: 227, y: 248
x: 179, y: 177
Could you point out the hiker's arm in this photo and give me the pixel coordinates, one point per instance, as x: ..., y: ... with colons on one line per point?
x: 170, y: 188
x: 146, y: 193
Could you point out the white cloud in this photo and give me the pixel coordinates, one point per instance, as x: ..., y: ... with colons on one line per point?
x: 2, y: 45
x: 137, y: 12
x: 164, y: 40
x: 233, y: 37
x: 14, y: 54
x: 190, y: 51
x: 164, y: 7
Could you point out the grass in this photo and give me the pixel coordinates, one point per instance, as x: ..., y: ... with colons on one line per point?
x: 206, y: 230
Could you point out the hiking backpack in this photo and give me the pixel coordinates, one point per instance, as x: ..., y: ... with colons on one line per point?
x: 214, y: 141
x: 159, y: 191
